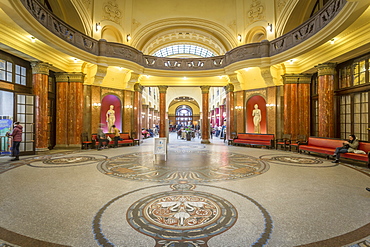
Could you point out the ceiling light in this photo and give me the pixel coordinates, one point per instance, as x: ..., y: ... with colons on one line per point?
x: 332, y: 41
x: 128, y: 37
x: 33, y: 39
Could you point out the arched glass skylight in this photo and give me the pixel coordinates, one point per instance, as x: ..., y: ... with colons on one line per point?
x: 183, y: 49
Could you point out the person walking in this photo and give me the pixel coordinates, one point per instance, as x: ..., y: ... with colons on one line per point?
x: 17, y: 138
x: 116, y: 135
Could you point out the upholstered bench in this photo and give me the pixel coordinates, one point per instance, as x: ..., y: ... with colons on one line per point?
x: 254, y: 139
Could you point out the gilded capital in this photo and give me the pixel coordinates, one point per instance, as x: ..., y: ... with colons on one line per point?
x: 326, y: 69
x: 162, y: 89
x: 297, y: 78
x: 205, y: 89
x: 70, y: 77
x: 229, y: 88
x: 138, y: 88
x: 40, y: 68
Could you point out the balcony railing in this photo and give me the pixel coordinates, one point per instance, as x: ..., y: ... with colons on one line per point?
x: 249, y: 51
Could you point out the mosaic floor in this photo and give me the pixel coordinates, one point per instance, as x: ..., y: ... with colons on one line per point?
x: 201, y: 195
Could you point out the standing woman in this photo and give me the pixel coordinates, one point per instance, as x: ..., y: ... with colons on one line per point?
x: 17, y: 138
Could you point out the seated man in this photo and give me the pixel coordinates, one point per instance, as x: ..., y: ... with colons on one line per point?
x: 348, y: 147
x: 102, y: 138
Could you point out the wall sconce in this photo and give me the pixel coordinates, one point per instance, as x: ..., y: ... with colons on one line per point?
x: 269, y: 27
x: 128, y: 106
x: 270, y: 105
x: 128, y: 37
x: 239, y: 37
x: 239, y: 108
x: 97, y: 26
x: 96, y: 105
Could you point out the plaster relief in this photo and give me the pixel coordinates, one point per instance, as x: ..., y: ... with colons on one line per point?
x: 280, y: 5
x: 112, y: 12
x: 256, y: 11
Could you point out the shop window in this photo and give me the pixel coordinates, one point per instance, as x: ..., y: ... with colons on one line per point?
x: 20, y: 75
x: 6, y: 71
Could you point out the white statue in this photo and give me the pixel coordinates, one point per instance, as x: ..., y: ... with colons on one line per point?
x: 111, y: 118
x: 256, y: 119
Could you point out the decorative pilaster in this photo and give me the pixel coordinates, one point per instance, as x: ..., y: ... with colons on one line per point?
x: 326, y: 73
x: 145, y: 116
x: 136, y: 134
x: 70, y: 102
x: 230, y: 126
x: 151, y: 117
x: 128, y: 117
x: 205, y: 128
x: 162, y: 110
x: 40, y: 81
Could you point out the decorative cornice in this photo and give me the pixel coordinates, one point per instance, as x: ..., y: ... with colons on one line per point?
x: 40, y: 68
x: 267, y: 76
x: 162, y: 89
x: 326, y: 69
x: 70, y: 77
x: 297, y: 78
x: 101, y: 72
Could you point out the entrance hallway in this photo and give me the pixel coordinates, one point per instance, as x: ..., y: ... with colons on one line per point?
x: 203, y: 195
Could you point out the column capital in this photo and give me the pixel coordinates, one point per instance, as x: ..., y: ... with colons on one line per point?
x: 162, y: 89
x: 229, y: 88
x: 205, y: 89
x: 138, y: 88
x: 70, y: 77
x: 326, y: 69
x: 40, y: 68
x: 297, y: 78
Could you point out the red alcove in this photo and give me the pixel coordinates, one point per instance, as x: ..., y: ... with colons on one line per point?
x: 105, y: 103
x: 260, y: 101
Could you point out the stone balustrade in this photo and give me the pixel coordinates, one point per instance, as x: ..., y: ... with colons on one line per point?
x: 262, y: 49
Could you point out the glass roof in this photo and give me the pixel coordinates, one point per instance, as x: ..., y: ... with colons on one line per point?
x: 184, y: 49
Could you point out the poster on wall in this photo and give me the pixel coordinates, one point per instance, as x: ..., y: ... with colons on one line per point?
x: 5, y: 126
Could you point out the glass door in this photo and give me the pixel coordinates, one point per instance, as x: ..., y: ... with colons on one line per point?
x: 25, y: 107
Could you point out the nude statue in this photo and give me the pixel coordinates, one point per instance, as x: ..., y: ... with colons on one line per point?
x: 111, y: 118
x: 256, y: 119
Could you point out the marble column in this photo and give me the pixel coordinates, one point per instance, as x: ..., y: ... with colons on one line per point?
x: 230, y: 106
x: 40, y: 87
x: 205, y: 128
x: 326, y: 73
x: 162, y: 110
x: 297, y: 104
x: 70, y: 106
x: 136, y: 134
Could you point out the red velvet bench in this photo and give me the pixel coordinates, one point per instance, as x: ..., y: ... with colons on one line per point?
x: 254, y: 139
x: 126, y: 139
x: 327, y: 146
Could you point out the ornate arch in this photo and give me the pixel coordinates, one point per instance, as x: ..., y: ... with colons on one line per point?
x: 256, y: 34
x: 111, y: 34
x: 216, y: 37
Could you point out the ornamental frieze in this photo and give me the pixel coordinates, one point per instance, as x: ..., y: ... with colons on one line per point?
x: 112, y: 12
x: 256, y: 11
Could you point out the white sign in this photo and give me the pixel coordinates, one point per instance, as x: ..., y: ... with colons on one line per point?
x: 160, y: 146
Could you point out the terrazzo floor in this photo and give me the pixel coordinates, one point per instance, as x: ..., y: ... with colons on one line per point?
x: 201, y: 195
